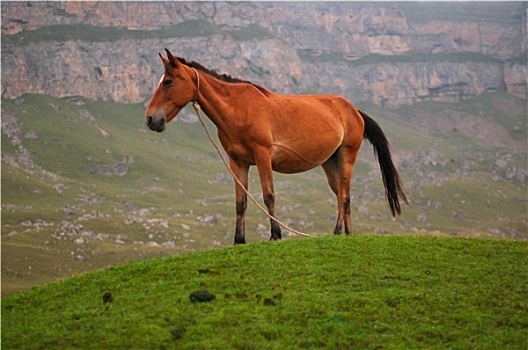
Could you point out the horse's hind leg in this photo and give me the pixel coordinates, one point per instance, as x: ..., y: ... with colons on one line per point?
x: 332, y: 175
x: 338, y: 170
x: 241, y: 201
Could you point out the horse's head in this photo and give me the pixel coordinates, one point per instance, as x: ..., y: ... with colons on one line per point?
x: 175, y: 89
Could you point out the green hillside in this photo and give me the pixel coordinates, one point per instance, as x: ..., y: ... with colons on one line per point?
x: 364, y: 291
x: 190, y: 28
x: 85, y: 185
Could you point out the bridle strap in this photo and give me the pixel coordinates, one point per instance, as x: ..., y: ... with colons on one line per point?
x: 195, y: 100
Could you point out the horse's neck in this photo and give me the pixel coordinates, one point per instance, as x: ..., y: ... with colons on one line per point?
x: 218, y: 99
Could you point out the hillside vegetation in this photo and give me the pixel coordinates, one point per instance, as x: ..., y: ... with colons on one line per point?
x: 86, y: 186
x: 191, y: 28
x: 365, y: 291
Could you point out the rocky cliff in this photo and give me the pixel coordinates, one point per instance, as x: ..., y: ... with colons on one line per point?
x: 389, y: 54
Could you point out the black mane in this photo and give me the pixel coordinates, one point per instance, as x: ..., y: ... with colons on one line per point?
x: 223, y: 77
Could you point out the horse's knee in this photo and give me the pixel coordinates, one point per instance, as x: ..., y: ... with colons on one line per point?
x: 269, y: 200
x: 241, y: 206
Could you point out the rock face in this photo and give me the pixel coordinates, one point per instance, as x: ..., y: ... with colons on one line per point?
x: 128, y: 70
x: 379, y: 52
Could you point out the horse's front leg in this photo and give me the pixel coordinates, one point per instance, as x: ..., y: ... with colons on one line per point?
x: 263, y: 160
x: 241, y: 172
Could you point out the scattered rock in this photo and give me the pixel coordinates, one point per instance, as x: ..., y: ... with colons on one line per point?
x: 113, y: 170
x: 31, y: 135
x: 210, y: 219
x: 201, y: 296
x: 241, y: 295
x: 107, y: 297
x: 501, y: 163
x: 421, y: 217
x: 221, y: 177
x: 187, y: 117
x: 169, y: 244
x: 178, y: 332
x: 269, y: 302
x: 67, y: 210
x: 86, y: 115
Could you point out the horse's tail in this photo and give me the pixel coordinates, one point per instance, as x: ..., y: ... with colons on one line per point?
x: 391, y: 177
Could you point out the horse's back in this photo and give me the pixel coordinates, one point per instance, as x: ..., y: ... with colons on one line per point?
x: 308, y: 129
x: 318, y: 115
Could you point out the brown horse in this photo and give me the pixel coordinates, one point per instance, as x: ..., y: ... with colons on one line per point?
x: 283, y: 133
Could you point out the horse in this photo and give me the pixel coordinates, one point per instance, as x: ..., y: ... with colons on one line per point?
x: 275, y: 132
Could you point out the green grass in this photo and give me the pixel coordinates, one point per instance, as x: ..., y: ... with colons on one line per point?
x: 190, y: 28
x: 363, y: 291
x: 496, y: 11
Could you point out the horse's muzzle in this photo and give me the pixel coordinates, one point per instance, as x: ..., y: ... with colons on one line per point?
x: 156, y: 124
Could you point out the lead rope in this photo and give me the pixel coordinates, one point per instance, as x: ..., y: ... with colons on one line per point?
x: 197, y: 109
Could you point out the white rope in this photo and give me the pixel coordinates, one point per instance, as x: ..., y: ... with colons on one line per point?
x: 197, y: 109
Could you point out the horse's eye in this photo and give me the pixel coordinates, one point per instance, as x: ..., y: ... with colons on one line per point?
x: 167, y: 82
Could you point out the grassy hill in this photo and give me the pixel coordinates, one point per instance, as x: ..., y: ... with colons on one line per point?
x: 363, y: 291
x: 86, y: 186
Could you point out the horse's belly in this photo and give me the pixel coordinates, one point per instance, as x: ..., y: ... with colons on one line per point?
x: 291, y: 159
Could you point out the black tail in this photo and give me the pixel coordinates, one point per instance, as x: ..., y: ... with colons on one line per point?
x: 391, y: 178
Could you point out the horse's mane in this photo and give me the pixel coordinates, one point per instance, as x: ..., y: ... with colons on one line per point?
x: 223, y: 77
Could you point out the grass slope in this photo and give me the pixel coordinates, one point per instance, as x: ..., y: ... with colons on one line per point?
x: 363, y: 291
x: 190, y: 28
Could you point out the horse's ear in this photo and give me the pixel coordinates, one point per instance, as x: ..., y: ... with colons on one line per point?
x: 163, y: 59
x: 173, y: 61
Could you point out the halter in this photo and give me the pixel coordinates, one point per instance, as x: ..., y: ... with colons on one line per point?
x: 195, y: 99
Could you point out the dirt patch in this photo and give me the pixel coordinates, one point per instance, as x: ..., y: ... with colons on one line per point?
x: 475, y: 127
x: 113, y: 170
x: 507, y: 105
